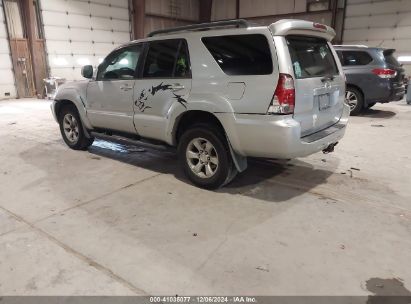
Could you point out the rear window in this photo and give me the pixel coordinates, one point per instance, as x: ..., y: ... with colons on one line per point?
x: 350, y: 58
x: 241, y: 54
x: 311, y: 57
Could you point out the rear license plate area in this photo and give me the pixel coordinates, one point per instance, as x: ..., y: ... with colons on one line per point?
x: 324, y: 102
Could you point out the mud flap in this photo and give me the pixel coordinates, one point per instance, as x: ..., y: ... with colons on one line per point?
x: 240, y: 161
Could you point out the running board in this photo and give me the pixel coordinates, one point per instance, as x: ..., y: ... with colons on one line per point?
x: 133, y: 142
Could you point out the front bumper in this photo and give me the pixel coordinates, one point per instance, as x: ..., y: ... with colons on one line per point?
x: 280, y: 136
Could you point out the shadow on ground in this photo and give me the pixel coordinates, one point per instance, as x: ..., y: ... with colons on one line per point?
x: 374, y: 113
x: 387, y: 291
x: 264, y: 179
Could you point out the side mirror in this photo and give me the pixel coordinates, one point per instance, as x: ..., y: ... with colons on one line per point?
x: 87, y: 71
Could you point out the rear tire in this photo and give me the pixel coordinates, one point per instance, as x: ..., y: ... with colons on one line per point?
x: 355, y: 99
x: 71, y: 129
x: 205, y: 157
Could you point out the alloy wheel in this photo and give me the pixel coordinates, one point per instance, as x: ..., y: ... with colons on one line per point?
x: 71, y: 128
x: 202, y: 157
x: 351, y: 99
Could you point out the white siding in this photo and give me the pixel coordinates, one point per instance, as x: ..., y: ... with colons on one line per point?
x: 384, y: 23
x: 80, y: 32
x: 7, y: 83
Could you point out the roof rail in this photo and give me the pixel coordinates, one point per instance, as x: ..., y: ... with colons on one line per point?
x: 352, y: 45
x: 203, y: 26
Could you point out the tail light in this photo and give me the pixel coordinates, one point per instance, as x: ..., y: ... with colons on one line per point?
x: 385, y: 73
x: 284, y: 97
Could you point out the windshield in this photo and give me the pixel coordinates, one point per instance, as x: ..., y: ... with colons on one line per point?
x: 311, y: 57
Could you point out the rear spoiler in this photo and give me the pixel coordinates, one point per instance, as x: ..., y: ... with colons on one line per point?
x: 388, y: 52
x: 301, y: 27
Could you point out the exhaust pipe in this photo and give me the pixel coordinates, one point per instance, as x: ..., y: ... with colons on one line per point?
x: 330, y: 148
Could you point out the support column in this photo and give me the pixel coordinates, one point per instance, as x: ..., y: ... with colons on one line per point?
x: 138, y: 18
x: 205, y: 10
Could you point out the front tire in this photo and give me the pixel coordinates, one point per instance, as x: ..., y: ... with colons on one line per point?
x: 355, y: 99
x: 71, y: 129
x: 205, y: 157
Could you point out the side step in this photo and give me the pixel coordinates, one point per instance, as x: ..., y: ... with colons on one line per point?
x: 133, y: 142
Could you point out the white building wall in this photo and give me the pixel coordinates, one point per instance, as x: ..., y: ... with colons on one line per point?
x: 81, y: 32
x: 380, y: 23
x: 7, y: 83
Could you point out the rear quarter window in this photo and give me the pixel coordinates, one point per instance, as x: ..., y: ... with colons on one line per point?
x: 311, y: 57
x: 353, y: 58
x: 241, y: 54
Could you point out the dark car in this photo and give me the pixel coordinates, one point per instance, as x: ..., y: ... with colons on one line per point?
x: 373, y: 75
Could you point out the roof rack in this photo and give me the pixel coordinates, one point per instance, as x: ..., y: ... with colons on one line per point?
x: 240, y: 23
x: 352, y: 45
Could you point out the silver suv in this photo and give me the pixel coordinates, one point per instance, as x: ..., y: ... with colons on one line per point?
x: 217, y: 92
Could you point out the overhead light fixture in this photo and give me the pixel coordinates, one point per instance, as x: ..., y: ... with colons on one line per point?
x: 404, y: 58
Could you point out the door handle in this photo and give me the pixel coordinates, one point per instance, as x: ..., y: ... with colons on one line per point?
x: 177, y: 87
x: 126, y: 87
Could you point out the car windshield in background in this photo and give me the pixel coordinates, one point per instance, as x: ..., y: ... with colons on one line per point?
x: 389, y: 58
x: 311, y: 57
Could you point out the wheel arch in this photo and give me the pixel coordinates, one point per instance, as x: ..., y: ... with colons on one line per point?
x: 192, y: 117
x: 61, y: 103
x: 350, y: 85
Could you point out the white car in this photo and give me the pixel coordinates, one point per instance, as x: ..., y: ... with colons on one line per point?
x: 218, y: 92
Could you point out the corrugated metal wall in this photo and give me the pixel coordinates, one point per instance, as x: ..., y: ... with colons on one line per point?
x: 80, y: 32
x: 226, y: 9
x: 384, y: 23
x: 170, y: 13
x: 7, y: 85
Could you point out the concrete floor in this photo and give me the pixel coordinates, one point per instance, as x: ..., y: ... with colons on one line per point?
x: 112, y: 221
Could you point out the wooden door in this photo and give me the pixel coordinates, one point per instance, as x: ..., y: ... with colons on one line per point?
x: 22, y: 65
x: 19, y: 46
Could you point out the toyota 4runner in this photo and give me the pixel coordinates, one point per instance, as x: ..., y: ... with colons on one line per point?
x: 217, y: 92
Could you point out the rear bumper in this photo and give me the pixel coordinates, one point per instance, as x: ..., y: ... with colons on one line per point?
x: 393, y: 91
x: 279, y: 136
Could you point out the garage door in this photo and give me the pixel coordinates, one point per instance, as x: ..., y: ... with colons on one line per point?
x: 384, y: 23
x: 81, y: 32
x: 7, y: 87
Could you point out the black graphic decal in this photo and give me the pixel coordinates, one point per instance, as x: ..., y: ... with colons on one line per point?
x: 180, y: 100
x: 142, y: 99
x: 160, y: 87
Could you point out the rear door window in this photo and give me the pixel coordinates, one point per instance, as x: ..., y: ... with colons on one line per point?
x: 241, y: 54
x: 311, y: 57
x: 350, y: 58
x: 167, y: 59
